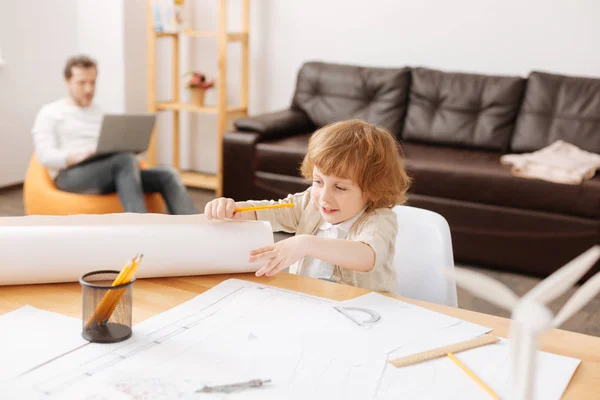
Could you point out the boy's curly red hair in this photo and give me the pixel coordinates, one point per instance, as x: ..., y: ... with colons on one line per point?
x: 366, y: 154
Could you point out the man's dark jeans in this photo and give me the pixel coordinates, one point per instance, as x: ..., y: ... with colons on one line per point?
x: 120, y: 173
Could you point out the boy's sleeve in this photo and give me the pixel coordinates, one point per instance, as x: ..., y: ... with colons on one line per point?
x: 45, y: 142
x: 379, y: 232
x: 281, y: 219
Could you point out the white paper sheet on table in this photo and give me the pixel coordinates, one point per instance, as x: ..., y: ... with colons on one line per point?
x: 45, y: 249
x: 238, y: 331
x: 403, y: 323
x: 30, y: 337
x: 441, y: 378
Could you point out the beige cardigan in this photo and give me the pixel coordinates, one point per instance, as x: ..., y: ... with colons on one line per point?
x: 561, y: 162
x: 376, y: 228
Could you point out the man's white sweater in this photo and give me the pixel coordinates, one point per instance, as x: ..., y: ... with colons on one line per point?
x: 62, y: 128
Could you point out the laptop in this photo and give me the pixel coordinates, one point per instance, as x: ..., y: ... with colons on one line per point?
x: 125, y: 133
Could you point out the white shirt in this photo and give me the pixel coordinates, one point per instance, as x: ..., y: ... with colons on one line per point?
x: 62, y: 128
x: 322, y: 269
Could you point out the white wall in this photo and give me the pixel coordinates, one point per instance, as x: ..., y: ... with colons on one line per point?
x: 100, y: 35
x: 487, y: 36
x: 483, y: 36
x: 134, y: 57
x: 36, y: 37
x: 113, y: 32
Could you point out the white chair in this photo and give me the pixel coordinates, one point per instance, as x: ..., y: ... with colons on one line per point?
x: 424, y: 256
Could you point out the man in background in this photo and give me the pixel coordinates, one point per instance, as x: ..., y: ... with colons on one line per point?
x: 65, y: 136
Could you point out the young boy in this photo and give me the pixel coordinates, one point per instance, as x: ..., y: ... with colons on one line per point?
x: 345, y: 228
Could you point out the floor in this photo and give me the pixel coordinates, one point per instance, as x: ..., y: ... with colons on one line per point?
x: 586, y: 321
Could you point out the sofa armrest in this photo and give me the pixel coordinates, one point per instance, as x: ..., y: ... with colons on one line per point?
x: 276, y: 125
x: 238, y: 164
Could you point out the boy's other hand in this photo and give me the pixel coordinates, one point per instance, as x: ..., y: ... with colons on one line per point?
x: 221, y: 208
x: 279, y: 255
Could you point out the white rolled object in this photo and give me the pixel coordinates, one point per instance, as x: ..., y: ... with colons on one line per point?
x: 49, y: 249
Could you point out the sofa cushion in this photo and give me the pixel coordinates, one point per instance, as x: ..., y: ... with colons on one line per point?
x: 331, y: 92
x: 282, y: 156
x: 468, y: 110
x: 477, y: 176
x: 558, y: 107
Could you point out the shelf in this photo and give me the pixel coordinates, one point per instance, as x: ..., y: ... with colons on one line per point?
x: 199, y: 180
x: 190, y: 32
x: 232, y: 112
x: 231, y: 37
x: 237, y: 37
x: 223, y: 112
x: 165, y: 34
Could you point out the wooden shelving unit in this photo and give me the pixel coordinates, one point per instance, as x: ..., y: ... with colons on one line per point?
x: 223, y: 111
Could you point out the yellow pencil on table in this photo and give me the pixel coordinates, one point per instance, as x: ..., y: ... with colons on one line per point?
x: 473, y: 376
x: 271, y: 206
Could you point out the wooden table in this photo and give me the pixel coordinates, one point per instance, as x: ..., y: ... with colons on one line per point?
x: 153, y: 296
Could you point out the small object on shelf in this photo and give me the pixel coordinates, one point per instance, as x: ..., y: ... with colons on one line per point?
x: 181, y: 16
x: 197, y: 84
x: 198, y: 96
x: 169, y: 16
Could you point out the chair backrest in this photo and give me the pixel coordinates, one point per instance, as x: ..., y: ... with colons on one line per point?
x: 423, y: 256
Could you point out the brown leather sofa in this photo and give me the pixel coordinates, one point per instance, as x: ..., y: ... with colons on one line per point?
x: 453, y: 128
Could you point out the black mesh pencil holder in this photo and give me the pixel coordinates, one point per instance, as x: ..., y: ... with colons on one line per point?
x: 107, y: 309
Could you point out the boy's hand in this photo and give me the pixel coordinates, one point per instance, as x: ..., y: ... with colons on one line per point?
x: 280, y: 255
x: 221, y: 208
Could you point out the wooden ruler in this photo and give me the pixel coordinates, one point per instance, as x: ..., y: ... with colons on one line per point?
x: 442, y: 351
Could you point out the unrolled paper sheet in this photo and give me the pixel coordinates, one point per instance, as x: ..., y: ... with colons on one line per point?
x: 45, y: 249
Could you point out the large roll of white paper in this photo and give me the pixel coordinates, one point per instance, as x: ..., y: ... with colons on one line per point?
x: 48, y: 249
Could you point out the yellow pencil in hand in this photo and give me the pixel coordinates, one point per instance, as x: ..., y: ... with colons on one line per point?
x: 271, y: 206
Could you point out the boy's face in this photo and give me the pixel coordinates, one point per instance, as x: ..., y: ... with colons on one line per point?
x: 338, y: 199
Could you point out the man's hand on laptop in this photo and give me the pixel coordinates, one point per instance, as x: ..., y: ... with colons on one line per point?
x: 76, y: 158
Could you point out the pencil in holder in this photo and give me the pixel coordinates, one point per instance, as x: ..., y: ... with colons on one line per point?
x: 107, y: 309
